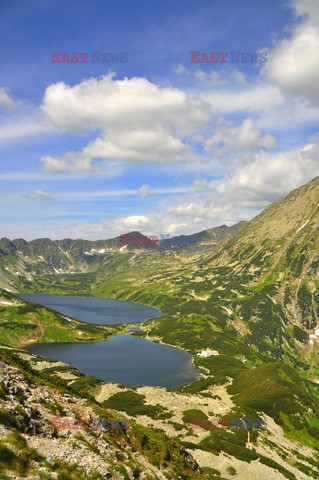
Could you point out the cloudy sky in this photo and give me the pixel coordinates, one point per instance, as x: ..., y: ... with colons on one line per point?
x: 145, y: 139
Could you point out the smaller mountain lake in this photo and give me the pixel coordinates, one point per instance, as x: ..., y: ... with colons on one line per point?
x: 124, y: 359
x: 99, y: 310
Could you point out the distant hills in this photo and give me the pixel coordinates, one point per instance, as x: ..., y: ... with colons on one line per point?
x: 211, y: 236
x: 21, y: 259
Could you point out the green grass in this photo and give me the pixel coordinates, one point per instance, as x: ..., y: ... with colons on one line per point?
x: 189, y: 414
x: 133, y: 404
x: 16, y: 456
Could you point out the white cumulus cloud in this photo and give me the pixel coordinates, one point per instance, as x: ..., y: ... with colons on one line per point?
x: 269, y: 177
x: 294, y: 62
x: 139, y: 121
x: 246, y: 137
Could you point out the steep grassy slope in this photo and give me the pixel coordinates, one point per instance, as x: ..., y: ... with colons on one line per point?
x: 276, y: 259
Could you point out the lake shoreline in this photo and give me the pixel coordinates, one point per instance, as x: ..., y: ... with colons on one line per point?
x: 183, y: 350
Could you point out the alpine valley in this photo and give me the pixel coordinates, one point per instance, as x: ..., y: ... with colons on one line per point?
x: 243, y: 300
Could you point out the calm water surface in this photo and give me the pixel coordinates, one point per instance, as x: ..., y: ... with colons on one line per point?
x: 124, y: 359
x: 94, y: 309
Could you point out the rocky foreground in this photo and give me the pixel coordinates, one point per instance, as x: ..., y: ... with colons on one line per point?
x: 30, y: 446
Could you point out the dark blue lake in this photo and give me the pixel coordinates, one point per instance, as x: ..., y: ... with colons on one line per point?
x: 94, y: 309
x: 124, y: 359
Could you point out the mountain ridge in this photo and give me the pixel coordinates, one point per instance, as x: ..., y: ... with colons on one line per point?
x: 19, y: 258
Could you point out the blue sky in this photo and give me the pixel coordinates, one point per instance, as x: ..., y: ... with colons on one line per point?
x: 157, y: 143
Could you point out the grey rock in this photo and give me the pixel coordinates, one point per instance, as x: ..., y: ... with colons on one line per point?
x: 51, y: 462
